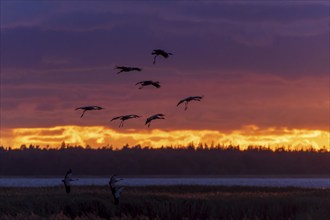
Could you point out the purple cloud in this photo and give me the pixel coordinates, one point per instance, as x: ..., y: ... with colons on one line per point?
x: 245, y: 58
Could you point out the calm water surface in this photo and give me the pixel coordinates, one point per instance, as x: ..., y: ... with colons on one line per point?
x: 272, y: 182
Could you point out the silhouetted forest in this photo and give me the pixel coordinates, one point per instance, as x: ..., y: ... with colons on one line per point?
x: 191, y: 160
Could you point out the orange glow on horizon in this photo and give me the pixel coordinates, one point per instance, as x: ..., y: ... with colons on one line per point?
x: 97, y: 136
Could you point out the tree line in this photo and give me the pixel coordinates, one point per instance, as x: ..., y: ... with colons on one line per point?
x: 188, y: 160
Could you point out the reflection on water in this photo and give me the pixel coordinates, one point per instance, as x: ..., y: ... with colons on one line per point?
x: 274, y: 182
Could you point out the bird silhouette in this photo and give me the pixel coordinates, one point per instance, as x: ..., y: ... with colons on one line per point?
x: 123, y: 118
x: 159, y: 52
x: 67, y: 179
x: 127, y: 69
x: 188, y: 99
x: 115, y: 190
x: 147, y: 83
x: 89, y: 108
x: 154, y: 117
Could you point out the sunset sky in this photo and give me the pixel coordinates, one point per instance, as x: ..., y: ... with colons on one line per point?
x: 262, y: 67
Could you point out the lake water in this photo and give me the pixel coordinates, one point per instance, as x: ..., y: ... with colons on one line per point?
x: 272, y: 182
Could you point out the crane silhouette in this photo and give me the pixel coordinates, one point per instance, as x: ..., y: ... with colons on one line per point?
x: 154, y: 117
x: 147, y: 83
x: 67, y: 179
x: 123, y: 118
x: 127, y: 69
x: 115, y: 190
x: 188, y: 99
x: 89, y: 108
x: 159, y: 52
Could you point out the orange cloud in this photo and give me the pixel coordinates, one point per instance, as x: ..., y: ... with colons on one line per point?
x: 101, y: 136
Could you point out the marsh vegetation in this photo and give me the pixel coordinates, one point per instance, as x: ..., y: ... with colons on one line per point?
x: 166, y: 202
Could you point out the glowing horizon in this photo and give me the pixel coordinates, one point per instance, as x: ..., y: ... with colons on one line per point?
x: 263, y: 69
x: 98, y: 136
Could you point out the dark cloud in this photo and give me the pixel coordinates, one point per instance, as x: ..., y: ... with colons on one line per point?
x: 245, y: 59
x: 34, y: 48
x: 250, y: 11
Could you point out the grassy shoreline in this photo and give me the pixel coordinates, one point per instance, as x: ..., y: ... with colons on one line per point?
x: 166, y: 202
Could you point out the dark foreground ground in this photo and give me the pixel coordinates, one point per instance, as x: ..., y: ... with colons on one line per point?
x: 166, y: 202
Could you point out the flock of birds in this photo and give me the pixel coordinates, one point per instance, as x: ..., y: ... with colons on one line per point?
x: 156, y: 84
x: 117, y: 190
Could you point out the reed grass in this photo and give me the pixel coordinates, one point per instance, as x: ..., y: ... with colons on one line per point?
x: 166, y: 202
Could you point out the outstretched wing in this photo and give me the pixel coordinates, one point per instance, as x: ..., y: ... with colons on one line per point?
x: 136, y: 68
x: 115, y: 118
x: 165, y: 55
x: 156, y: 85
x: 68, y: 174
x: 181, y: 101
x: 119, y: 190
x: 197, y: 98
x: 157, y: 51
x: 149, y: 120
x: 120, y: 67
